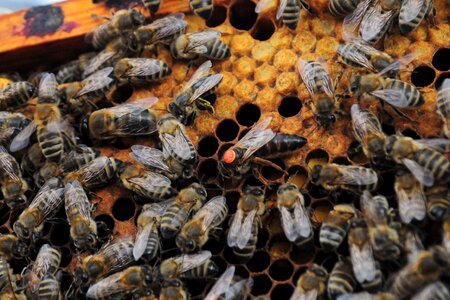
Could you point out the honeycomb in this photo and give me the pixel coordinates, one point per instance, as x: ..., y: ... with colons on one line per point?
x: 261, y: 80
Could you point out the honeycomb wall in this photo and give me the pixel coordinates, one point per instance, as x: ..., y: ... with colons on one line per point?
x: 261, y: 80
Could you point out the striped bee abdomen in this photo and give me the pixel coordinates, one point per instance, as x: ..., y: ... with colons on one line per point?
x: 281, y: 144
x: 435, y: 162
x: 245, y: 254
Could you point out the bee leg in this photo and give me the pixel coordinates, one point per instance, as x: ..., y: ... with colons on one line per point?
x: 97, y: 17
x: 431, y: 18
x: 397, y: 111
x: 205, y: 104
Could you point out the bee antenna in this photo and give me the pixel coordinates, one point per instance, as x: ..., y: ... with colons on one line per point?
x: 168, y: 250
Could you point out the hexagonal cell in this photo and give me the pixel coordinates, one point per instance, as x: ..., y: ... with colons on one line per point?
x: 411, y: 133
x: 356, y: 154
x: 423, y: 76
x: 316, y: 191
x: 270, y: 173
x: 261, y: 285
x: 263, y: 29
x: 316, y: 157
x: 341, y: 160
x: 279, y: 245
x: 213, y: 190
x: 242, y: 14
x: 263, y: 237
x: 441, y: 79
x: 248, y: 114
x: 60, y: 234
x: 290, y: 106
x: 4, y: 213
x: 302, y: 257
x: 207, y: 146
x: 242, y: 272
x: 123, y: 209
x: 282, y: 291
x: 66, y: 257
x: 440, y: 59
x: 253, y: 181
x: 207, y: 170
x: 259, y: 262
x: 122, y: 93
x: 297, y: 175
x: 232, y: 201
x: 320, y: 210
x: 281, y: 270
x: 219, y: 15
x: 227, y: 130
x: 220, y: 262
x: 214, y: 245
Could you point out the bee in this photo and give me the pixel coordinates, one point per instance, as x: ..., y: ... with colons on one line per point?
x: 147, y: 240
x: 173, y: 289
x: 120, y: 284
x: 188, y: 266
x: 412, y: 243
x: 47, y: 262
x: 188, y: 101
x: 49, y: 288
x: 412, y: 13
x: 122, y: 21
x: 145, y: 183
x: 334, y: 228
x: 410, y: 196
x: 428, y: 267
x: 421, y: 157
x: 205, y: 44
x: 341, y: 281
x: 289, y: 12
x: 12, y: 247
x: 96, y: 173
x: 443, y: 105
x: 7, y: 278
x: 33, y: 160
x: 320, y: 87
x: 152, y: 5
x: 352, y: 178
x: 245, y: 223
x: 12, y: 182
x: 438, y: 202
x: 125, y: 120
x: 242, y: 157
x: 364, y: 265
x: 16, y: 94
x: 44, y: 205
x: 48, y: 92
x: 384, y: 239
x: 189, y: 200
x: 110, y: 258
x: 160, y: 31
x: 11, y: 124
x: 294, y: 218
x: 230, y: 287
x: 435, y: 290
x: 311, y: 284
x: 83, y: 228
x: 367, y: 296
x: 77, y: 158
x: 73, y: 71
x: 202, y: 8
x: 195, y: 233
x: 340, y: 8
x: 137, y: 71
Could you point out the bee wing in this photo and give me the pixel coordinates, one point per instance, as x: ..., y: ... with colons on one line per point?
x: 222, y: 284
x: 76, y: 198
x: 352, y: 21
x: 355, y: 296
x: 394, y: 97
x: 246, y: 230
x: 191, y: 261
x: 202, y: 71
x: 413, y: 246
x: 143, y: 67
x: 411, y: 9
x: 311, y: 74
x: 211, y: 211
x: 296, y: 225
x: 22, y: 140
x: 235, y: 228
x: 302, y: 220
x: 352, y: 175
x: 363, y: 263
x: 237, y: 288
x: 262, y: 5
x: 257, y: 137
x: 97, y: 61
x: 399, y: 63
x: 281, y: 8
x: 411, y: 202
x: 441, y: 145
x: 198, y: 40
x: 150, y: 157
x: 364, y: 123
x: 164, y: 27
x: 48, y: 85
x: 424, y: 176
x: 180, y: 143
x: 7, y: 166
x: 375, y: 21
x: 151, y: 181
x: 300, y: 294
x: 96, y: 81
x: 355, y: 56
x: 110, y: 285
x: 431, y: 290
x: 209, y: 83
x: 53, y: 199
x: 140, y: 243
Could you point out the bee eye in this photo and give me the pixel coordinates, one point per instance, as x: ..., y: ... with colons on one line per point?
x: 201, y: 192
x: 257, y: 192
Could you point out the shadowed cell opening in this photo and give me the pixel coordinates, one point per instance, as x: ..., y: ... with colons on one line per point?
x: 270, y: 173
x: 341, y: 160
x: 259, y: 262
x: 263, y: 238
x: 122, y: 93
x: 386, y: 183
x: 297, y: 274
x: 388, y: 129
x: 320, y: 211
x: 248, y: 114
x: 195, y: 287
x: 297, y: 175
x: 66, y: 257
x: 242, y: 14
x: 229, y: 256
x: 219, y: 15
x: 211, y: 98
x: 261, y: 285
x: 232, y: 200
x: 441, y: 79
x: 326, y: 260
x: 227, y: 130
x: 105, y: 225
x: 66, y: 281
x: 355, y: 153
x: 4, y: 213
x: 301, y: 257
x: 441, y: 59
x: 220, y: 262
x: 123, y: 209
x: 316, y: 157
x: 281, y: 270
x: 253, y: 181
x: 4, y: 230
x: 213, y: 244
x: 263, y: 30
x: 60, y: 234
x: 282, y: 291
x: 289, y: 106
x: 241, y: 272
x: 213, y: 190
x: 411, y: 133
x: 422, y: 76
x: 207, y: 170
x: 208, y: 146
x: 316, y: 191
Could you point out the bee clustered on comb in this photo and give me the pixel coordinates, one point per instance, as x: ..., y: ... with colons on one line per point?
x: 261, y: 80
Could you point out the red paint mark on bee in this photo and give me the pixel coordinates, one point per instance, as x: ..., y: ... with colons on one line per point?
x: 42, y: 20
x: 69, y: 26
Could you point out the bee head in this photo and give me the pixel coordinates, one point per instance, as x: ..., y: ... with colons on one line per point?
x: 355, y: 84
x: 137, y: 18
x: 80, y: 276
x: 18, y: 202
x: 133, y: 43
x: 286, y: 187
x: 85, y: 242
x: 178, y: 112
x: 186, y: 245
x: 84, y: 127
x: 31, y: 90
x: 315, y: 173
x: 21, y: 231
x: 326, y: 121
x: 21, y: 249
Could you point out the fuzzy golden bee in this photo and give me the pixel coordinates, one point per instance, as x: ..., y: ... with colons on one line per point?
x: 311, y: 284
x: 335, y: 227
x: 13, y: 185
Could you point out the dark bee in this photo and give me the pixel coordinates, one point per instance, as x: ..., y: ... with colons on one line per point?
x: 11, y: 124
x: 188, y: 266
x: 341, y: 281
x: 202, y: 8
x: 77, y: 158
x: 12, y: 247
x: 13, y: 185
x: 46, y: 263
x: 33, y: 160
x: 438, y: 202
x: 289, y: 12
x: 137, y: 71
x: 340, y: 8
x: 73, y: 71
x: 16, y: 94
x: 434, y: 290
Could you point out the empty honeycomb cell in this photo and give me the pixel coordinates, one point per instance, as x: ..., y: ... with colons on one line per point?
x: 229, y: 256
x: 211, y: 98
x: 252, y: 181
x: 122, y: 93
x: 355, y: 153
x: 326, y: 47
x: 304, y: 42
x: 302, y: 256
x: 242, y: 272
x: 242, y: 14
x: 279, y: 245
x: 285, y: 59
x: 272, y: 174
x: 297, y: 175
x: 281, y: 291
x: 60, y: 234
x: 241, y: 44
x: 248, y: 114
x: 287, y: 83
x: 320, y: 210
x: 441, y: 59
x: 289, y: 106
x: 386, y: 188
x: 214, y: 245
x: 341, y: 160
x: 244, y: 67
x: 261, y: 285
x: 263, y: 238
x: 316, y: 157
x: 245, y: 90
x: 263, y: 52
x: 411, y: 133
x: 225, y: 107
x: 195, y: 288
x: 227, y: 130
x: 345, y: 197
x: 213, y: 190
x: 423, y: 76
x: 219, y: 15
x: 207, y: 146
x: 66, y: 257
x: 66, y: 281
x: 441, y: 79
x: 123, y: 209
x: 263, y: 29
x: 388, y: 129
x: 259, y: 262
x: 316, y: 191
x: 4, y: 213
x: 207, y: 171
x: 327, y: 260
x: 232, y: 200
x: 281, y: 270
x: 220, y: 262
x: 4, y: 230
x: 265, y: 74
x: 46, y: 228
